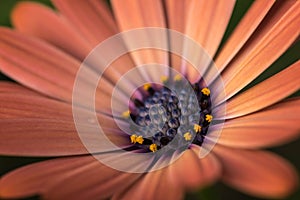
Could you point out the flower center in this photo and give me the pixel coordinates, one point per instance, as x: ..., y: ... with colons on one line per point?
x: 176, y: 113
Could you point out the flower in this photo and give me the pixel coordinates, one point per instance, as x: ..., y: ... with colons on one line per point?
x: 47, y: 60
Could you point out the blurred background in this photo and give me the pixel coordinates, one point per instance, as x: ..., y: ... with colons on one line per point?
x: 219, y: 191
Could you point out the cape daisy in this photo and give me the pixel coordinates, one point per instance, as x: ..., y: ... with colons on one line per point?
x: 47, y: 57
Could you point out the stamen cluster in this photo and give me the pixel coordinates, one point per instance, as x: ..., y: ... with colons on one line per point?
x: 164, y: 117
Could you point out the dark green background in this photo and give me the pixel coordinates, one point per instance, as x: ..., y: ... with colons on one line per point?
x: 218, y: 191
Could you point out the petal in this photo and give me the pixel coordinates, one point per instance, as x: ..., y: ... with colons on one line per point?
x: 91, y: 18
x: 206, y: 22
x: 266, y: 93
x: 200, y: 172
x: 33, y: 179
x: 9, y: 87
x: 59, y: 178
x: 154, y: 185
x: 29, y: 127
x: 273, y: 126
x: 46, y: 69
x: 257, y: 173
x: 277, y: 32
x: 133, y: 14
x: 30, y: 18
x: 176, y: 14
x: 243, y: 31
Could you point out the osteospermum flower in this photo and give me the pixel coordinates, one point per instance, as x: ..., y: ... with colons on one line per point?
x: 198, y: 143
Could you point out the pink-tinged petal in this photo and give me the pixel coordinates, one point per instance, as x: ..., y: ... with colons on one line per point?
x: 276, y: 33
x: 133, y: 14
x: 34, y: 179
x: 59, y: 178
x: 201, y: 172
x: 96, y: 181
x: 30, y: 18
x: 9, y: 87
x: 92, y: 18
x: 272, y: 126
x: 44, y: 68
x: 33, y: 125
x: 257, y: 173
x: 243, y: 31
x: 176, y: 14
x: 266, y: 93
x: 206, y: 22
x: 154, y: 185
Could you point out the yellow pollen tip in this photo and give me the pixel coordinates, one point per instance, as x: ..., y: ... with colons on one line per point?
x: 208, y: 118
x: 187, y: 136
x: 139, y: 140
x: 126, y: 114
x: 147, y: 86
x: 153, y: 147
x: 177, y: 77
x: 133, y: 138
x: 197, y: 128
x: 164, y: 79
x: 205, y: 91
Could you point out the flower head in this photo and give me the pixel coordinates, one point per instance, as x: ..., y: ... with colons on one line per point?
x: 129, y: 101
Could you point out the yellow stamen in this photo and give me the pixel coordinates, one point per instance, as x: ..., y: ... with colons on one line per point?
x: 133, y: 138
x: 153, y: 147
x: 139, y: 140
x: 147, y: 86
x: 177, y: 77
x: 205, y: 91
x: 209, y: 118
x: 187, y: 136
x: 164, y: 79
x: 197, y: 128
x: 126, y: 114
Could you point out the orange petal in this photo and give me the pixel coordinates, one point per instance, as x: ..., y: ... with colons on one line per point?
x: 30, y: 18
x: 85, y: 175
x: 95, y: 22
x: 206, y: 22
x: 243, y: 31
x: 46, y: 69
x: 133, y: 14
x: 91, y: 18
x: 9, y: 87
x: 33, y: 179
x: 154, y: 185
x: 36, y: 126
x: 258, y: 173
x: 201, y: 172
x: 276, y: 33
x: 266, y: 93
x: 273, y: 126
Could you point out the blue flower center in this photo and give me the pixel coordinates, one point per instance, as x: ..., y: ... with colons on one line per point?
x: 177, y: 114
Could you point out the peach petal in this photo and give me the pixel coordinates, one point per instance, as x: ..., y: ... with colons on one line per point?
x: 94, y: 182
x: 29, y: 18
x: 199, y: 173
x: 266, y: 93
x: 75, y: 174
x: 206, y: 22
x: 154, y: 185
x: 31, y: 128
x: 133, y: 14
x: 243, y: 31
x: 9, y: 87
x: 46, y: 69
x: 92, y: 18
x: 258, y: 173
x: 273, y: 126
x: 27, y: 180
x: 276, y: 33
